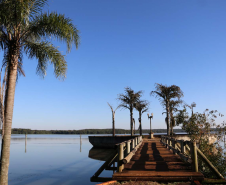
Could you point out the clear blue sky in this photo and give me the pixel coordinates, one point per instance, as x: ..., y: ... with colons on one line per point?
x: 128, y: 43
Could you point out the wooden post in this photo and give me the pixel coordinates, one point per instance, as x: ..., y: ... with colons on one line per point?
x: 173, y: 144
x: 170, y: 143
x: 120, y: 157
x: 182, y: 147
x: 209, y: 164
x: 194, y: 157
x: 133, y: 143
x: 128, y: 147
x: 167, y: 142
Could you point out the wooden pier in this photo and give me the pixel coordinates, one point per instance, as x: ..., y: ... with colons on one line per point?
x: 154, y: 162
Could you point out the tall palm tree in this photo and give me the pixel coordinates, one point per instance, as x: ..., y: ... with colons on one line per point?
x: 113, y: 118
x: 173, y: 105
x: 128, y: 101
x: 25, y: 29
x: 165, y: 94
x: 141, y: 106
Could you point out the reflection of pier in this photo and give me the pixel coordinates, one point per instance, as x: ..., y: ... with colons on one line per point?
x: 100, y: 154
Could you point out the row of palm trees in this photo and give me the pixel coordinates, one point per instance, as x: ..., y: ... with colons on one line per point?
x: 169, y: 97
x: 130, y: 100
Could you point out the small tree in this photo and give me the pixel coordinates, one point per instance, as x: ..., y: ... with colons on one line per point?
x: 141, y: 106
x: 202, y: 127
x: 166, y: 94
x: 128, y: 101
x: 113, y: 118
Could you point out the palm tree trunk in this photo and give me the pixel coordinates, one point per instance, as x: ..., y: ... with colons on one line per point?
x: 168, y: 118
x: 131, y: 121
x: 113, y: 123
x: 140, y: 123
x: 9, y: 104
x: 171, y: 129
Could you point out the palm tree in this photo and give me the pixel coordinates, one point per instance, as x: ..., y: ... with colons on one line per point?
x: 113, y: 118
x: 141, y: 107
x: 173, y: 105
x: 165, y: 94
x: 128, y: 101
x: 25, y: 29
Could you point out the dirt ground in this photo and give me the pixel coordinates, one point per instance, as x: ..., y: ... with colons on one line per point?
x: 150, y: 183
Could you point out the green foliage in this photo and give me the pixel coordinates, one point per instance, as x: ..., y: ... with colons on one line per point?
x: 141, y: 106
x: 202, y: 127
x: 169, y: 96
x: 130, y: 98
x: 24, y: 28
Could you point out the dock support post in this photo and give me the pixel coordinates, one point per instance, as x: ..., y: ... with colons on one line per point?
x: 194, y: 157
x: 120, y: 157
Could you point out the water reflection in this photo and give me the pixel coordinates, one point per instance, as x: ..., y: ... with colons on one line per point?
x: 26, y: 143
x: 107, y: 155
x: 51, y: 160
x: 80, y: 143
x: 100, y: 154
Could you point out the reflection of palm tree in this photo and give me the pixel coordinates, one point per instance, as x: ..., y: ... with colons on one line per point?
x: 165, y: 94
x: 128, y: 101
x: 113, y: 118
x: 25, y: 29
x: 141, y: 107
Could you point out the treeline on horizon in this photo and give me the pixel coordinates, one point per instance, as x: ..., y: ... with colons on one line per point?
x: 86, y: 131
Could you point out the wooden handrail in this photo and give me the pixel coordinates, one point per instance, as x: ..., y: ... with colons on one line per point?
x: 130, y: 155
x: 126, y: 146
x: 194, y: 151
x: 209, y: 164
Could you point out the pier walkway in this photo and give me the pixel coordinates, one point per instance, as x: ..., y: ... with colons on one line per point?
x: 154, y: 162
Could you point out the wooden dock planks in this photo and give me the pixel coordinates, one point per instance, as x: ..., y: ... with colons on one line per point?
x: 154, y: 162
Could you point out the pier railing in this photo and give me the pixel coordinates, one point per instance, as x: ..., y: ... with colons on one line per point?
x: 122, y: 155
x: 126, y: 150
x: 189, y: 152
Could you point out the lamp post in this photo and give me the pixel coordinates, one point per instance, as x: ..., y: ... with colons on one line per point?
x: 150, y: 117
x: 193, y: 105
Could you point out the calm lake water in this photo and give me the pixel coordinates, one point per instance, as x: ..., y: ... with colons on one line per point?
x: 52, y: 160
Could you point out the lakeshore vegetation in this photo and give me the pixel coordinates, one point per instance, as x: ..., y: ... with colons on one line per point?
x: 86, y: 131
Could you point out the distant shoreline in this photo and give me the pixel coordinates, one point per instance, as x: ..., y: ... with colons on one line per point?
x: 87, y: 131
